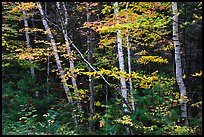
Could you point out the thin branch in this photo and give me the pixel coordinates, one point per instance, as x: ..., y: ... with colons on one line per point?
x: 54, y: 24
x: 100, y: 74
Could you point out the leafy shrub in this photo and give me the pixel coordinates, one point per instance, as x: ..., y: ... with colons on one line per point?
x: 51, y: 123
x: 65, y: 129
x: 176, y: 130
x: 28, y: 115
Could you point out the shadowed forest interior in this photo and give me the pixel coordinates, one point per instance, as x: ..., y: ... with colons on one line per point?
x: 101, y: 68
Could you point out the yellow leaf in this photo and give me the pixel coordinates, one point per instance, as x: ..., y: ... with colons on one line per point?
x: 97, y: 103
x: 197, y: 74
x: 62, y: 128
x: 184, y: 76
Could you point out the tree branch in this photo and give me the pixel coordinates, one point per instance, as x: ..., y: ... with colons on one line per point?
x: 100, y: 75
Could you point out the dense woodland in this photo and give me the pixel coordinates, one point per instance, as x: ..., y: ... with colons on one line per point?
x: 101, y: 68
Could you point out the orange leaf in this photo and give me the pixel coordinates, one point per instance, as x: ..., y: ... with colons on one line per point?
x: 102, y: 123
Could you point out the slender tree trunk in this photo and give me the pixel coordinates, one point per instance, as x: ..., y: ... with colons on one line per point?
x: 71, y: 62
x: 179, y: 78
x: 48, y: 57
x: 48, y: 70
x: 28, y: 41
x: 59, y: 66
x: 121, y: 60
x: 90, y: 60
x: 129, y: 63
x: 32, y: 71
x: 33, y: 25
x: 85, y: 60
x: 107, y: 93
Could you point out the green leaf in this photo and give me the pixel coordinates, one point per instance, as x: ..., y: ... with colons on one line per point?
x: 23, y: 118
x: 35, y: 115
x: 29, y: 113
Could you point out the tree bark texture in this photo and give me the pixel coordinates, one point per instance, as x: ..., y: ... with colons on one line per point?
x: 179, y: 78
x: 121, y: 59
x: 90, y: 60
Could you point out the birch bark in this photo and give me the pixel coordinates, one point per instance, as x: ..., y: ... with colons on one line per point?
x: 179, y: 78
x: 59, y: 66
x: 28, y: 41
x: 121, y: 59
x: 71, y: 62
x: 32, y: 71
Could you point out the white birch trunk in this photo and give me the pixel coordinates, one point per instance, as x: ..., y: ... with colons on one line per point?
x: 179, y: 78
x: 32, y: 71
x: 28, y: 41
x: 125, y: 102
x: 59, y: 66
x: 71, y: 62
x: 121, y: 60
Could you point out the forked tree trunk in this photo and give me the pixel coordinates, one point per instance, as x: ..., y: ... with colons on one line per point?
x: 59, y: 66
x: 71, y: 62
x: 179, y: 78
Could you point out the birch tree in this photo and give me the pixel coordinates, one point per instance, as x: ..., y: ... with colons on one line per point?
x: 71, y: 62
x: 59, y: 66
x: 179, y: 79
x: 32, y: 71
x: 28, y: 41
x: 120, y: 58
